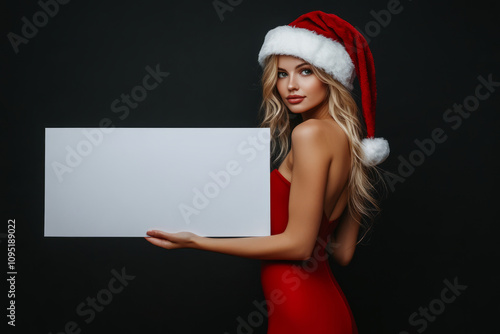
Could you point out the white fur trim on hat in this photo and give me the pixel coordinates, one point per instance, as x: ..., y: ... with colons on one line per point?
x: 316, y: 49
x: 375, y: 150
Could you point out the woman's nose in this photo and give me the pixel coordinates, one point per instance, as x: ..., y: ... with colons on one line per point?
x: 292, y: 82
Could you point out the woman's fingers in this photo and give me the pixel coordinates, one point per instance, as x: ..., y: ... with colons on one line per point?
x: 170, y: 240
x: 161, y: 242
x: 158, y: 234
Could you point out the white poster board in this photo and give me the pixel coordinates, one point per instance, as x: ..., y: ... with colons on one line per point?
x: 121, y: 182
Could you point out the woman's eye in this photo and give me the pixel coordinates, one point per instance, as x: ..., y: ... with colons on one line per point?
x: 306, y: 71
x: 281, y: 74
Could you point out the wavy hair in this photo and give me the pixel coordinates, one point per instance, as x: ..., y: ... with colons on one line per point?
x: 361, y: 204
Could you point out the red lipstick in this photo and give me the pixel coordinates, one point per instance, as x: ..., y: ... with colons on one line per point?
x: 294, y: 99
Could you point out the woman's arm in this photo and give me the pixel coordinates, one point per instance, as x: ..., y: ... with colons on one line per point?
x: 309, y: 175
x: 343, y: 242
x: 275, y: 247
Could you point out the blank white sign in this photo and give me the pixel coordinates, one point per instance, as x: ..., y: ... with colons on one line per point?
x: 121, y: 182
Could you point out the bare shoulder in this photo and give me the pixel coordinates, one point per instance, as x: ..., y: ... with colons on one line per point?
x: 320, y: 132
x: 310, y: 144
x: 312, y: 130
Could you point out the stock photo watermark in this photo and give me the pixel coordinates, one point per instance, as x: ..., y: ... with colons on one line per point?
x: 219, y: 180
x: 381, y: 19
x: 223, y: 6
x: 293, y: 278
x: 30, y: 27
x: 89, y: 308
x: 436, y: 307
x: 93, y: 138
x: 11, y: 272
x: 453, y: 117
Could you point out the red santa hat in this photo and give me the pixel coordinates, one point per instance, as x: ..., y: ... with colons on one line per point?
x: 332, y: 44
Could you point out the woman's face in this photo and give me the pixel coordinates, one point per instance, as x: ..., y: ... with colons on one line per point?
x: 300, y: 89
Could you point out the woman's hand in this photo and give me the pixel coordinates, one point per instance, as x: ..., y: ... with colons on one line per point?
x: 171, y: 240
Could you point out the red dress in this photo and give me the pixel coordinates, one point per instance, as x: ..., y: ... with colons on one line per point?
x: 303, y: 297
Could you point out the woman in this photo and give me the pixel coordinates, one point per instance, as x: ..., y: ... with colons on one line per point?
x: 321, y: 190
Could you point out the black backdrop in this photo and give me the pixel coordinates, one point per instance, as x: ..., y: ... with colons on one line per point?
x: 438, y: 227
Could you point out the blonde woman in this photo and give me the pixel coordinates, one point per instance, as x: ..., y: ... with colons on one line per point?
x: 322, y: 190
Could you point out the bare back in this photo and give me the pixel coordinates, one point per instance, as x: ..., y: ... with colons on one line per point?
x: 335, y: 199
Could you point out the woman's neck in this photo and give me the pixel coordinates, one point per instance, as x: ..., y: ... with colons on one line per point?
x: 318, y: 112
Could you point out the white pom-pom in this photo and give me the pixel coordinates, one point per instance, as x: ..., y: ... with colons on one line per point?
x: 375, y: 150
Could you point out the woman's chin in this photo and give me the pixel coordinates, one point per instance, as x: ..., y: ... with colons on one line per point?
x: 296, y: 109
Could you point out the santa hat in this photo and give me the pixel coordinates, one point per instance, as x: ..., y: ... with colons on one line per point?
x: 332, y: 44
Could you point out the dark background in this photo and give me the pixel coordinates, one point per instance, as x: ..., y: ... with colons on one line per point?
x: 439, y: 224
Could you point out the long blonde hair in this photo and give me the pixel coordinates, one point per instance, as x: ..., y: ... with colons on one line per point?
x: 344, y: 110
